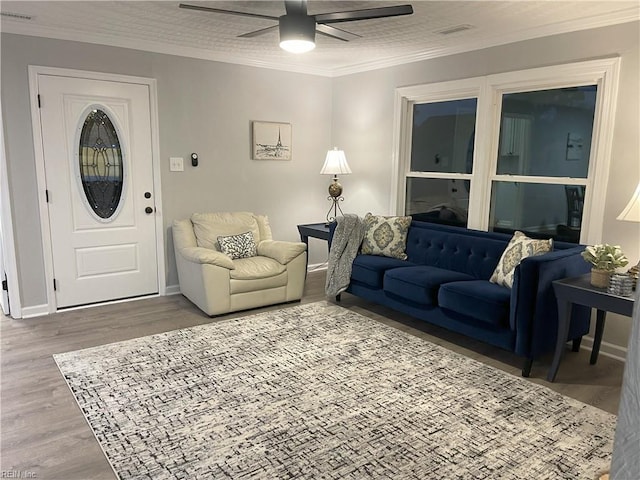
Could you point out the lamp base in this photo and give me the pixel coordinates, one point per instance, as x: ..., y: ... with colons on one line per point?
x: 335, y: 189
x: 335, y: 206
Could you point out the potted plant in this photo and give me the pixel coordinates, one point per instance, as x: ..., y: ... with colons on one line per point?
x: 605, y: 259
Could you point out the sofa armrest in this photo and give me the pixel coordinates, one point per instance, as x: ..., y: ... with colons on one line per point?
x: 280, y: 251
x: 534, y: 311
x: 206, y: 255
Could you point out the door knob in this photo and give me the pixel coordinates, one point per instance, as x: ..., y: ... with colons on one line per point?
x: 148, y: 210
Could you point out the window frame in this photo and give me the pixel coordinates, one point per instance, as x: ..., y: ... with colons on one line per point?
x: 488, y: 90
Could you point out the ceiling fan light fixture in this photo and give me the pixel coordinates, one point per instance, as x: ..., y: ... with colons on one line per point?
x: 297, y: 46
x: 297, y: 33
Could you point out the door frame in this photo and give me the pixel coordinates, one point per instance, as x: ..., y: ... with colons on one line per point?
x: 34, y: 72
x: 7, y: 242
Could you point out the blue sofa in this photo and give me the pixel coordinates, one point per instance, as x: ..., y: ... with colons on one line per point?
x: 445, y: 281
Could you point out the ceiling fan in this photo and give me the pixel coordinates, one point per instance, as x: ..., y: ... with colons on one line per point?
x: 298, y: 28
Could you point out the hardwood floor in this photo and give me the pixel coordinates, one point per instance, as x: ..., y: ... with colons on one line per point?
x: 45, y: 436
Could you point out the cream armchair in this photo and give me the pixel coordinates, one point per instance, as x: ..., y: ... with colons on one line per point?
x: 273, y: 272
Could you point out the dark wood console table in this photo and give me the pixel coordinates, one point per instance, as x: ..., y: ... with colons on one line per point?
x: 579, y: 290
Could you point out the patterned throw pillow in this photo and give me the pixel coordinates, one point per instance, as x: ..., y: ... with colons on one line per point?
x: 386, y: 236
x: 238, y: 246
x: 520, y: 246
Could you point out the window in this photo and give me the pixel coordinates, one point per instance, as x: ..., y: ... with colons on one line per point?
x: 442, y: 141
x: 523, y: 150
x: 100, y: 164
x: 544, y: 135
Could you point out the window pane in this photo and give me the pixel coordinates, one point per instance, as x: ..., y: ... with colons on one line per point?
x: 438, y: 200
x: 537, y: 209
x: 547, y: 133
x: 443, y: 136
x: 100, y: 159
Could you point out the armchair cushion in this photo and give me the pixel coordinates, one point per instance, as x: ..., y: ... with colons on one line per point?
x: 238, y: 246
x: 281, y: 251
x: 256, y: 267
x: 209, y: 226
x: 206, y: 255
x: 264, y: 227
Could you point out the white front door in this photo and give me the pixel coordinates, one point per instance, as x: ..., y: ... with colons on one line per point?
x: 97, y: 150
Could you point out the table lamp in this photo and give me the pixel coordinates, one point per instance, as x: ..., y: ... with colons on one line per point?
x: 631, y: 213
x: 335, y: 163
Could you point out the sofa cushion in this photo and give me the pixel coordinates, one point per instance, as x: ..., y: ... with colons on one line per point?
x: 420, y: 284
x: 369, y: 269
x: 479, y: 299
x: 256, y: 267
x: 209, y: 226
x: 520, y: 246
x: 386, y: 236
x: 238, y: 246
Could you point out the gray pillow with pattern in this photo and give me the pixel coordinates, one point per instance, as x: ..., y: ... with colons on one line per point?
x: 238, y: 246
x: 520, y: 247
x: 385, y: 236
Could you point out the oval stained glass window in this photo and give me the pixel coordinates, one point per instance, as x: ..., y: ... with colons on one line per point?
x: 100, y: 158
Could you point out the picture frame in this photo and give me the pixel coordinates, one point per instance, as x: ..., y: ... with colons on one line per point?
x: 575, y: 144
x: 270, y: 140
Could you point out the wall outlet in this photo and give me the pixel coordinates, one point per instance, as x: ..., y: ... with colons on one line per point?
x: 176, y: 164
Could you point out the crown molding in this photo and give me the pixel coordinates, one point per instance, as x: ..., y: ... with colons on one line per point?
x: 21, y: 28
x: 612, y: 18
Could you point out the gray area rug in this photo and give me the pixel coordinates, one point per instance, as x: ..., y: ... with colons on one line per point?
x: 319, y: 392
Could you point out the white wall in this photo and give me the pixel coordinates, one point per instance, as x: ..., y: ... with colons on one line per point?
x: 207, y: 107
x: 204, y: 107
x: 363, y: 123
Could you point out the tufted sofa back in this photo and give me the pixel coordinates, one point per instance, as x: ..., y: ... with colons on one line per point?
x: 460, y: 249
x: 437, y: 246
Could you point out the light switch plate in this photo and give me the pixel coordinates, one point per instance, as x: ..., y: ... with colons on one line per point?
x: 176, y: 164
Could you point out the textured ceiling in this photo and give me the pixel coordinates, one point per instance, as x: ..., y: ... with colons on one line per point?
x: 160, y: 26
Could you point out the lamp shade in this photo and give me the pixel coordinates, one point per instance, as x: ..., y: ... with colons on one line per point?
x: 335, y: 163
x: 631, y: 212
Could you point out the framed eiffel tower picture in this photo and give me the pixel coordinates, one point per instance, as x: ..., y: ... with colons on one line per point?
x: 271, y: 141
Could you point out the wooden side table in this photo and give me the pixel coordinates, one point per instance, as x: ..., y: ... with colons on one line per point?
x: 314, y: 230
x: 579, y: 290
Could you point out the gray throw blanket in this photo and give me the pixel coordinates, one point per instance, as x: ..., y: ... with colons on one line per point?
x: 626, y: 450
x: 345, y: 244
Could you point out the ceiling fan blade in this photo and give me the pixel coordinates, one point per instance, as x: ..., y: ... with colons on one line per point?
x: 258, y: 32
x: 295, y: 7
x: 337, y: 33
x: 365, y: 14
x: 229, y: 12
